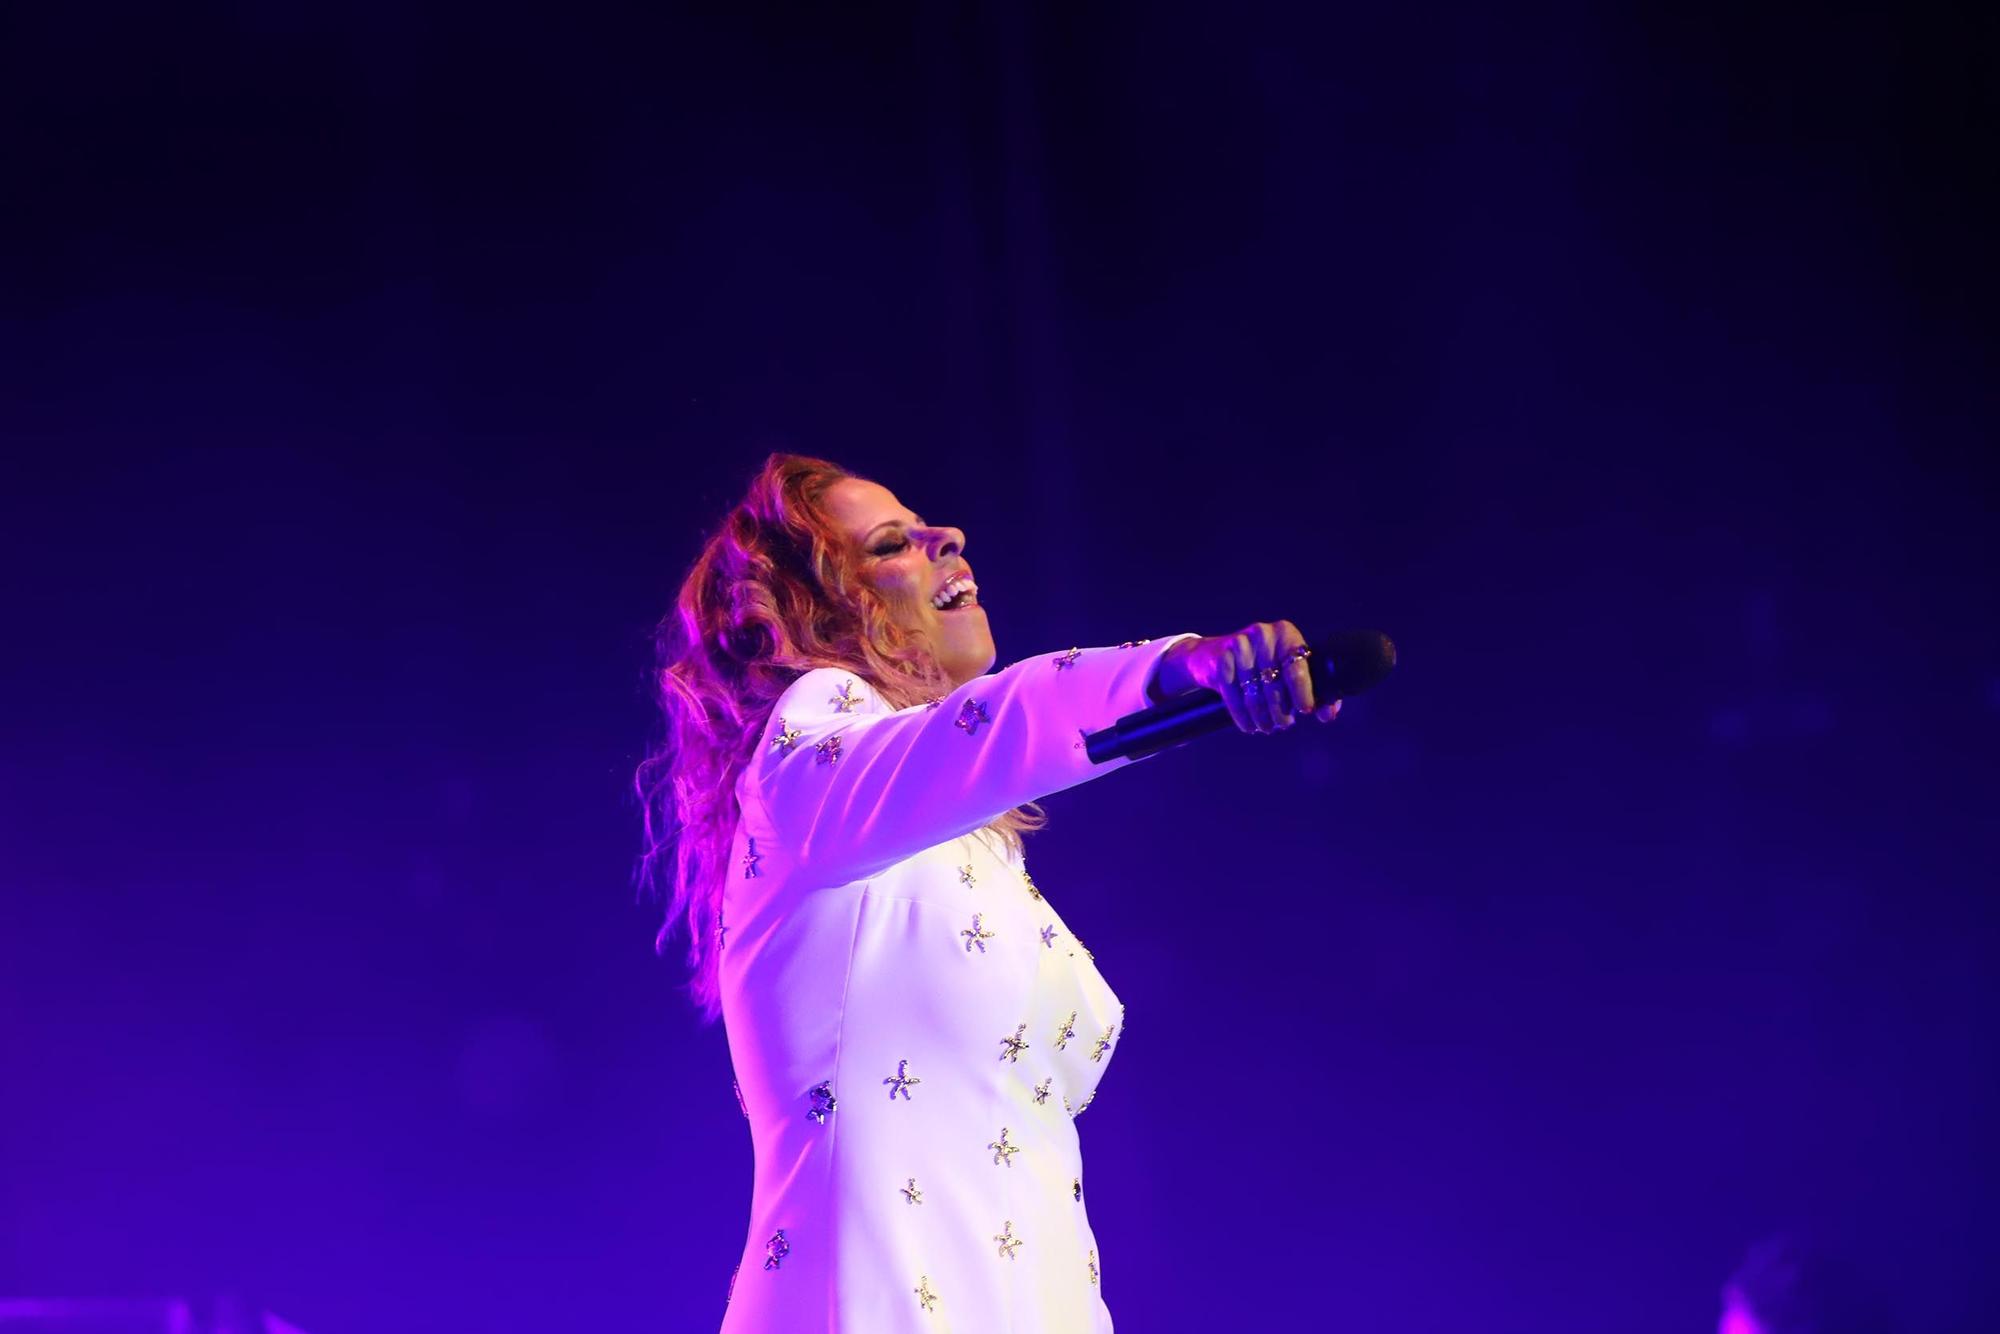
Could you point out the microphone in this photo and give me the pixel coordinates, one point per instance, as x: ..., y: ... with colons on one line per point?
x: 1342, y: 664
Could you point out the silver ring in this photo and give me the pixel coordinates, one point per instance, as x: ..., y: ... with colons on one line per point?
x: 1293, y: 655
x: 1251, y: 687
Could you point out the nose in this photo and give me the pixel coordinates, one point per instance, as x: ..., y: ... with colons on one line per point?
x: 945, y: 542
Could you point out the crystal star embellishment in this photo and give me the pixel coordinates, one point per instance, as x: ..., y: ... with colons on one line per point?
x: 786, y: 738
x: 1049, y: 936
x: 1014, y: 1045
x: 970, y: 715
x: 1003, y: 1152
x: 1076, y: 1189
x: 1066, y: 1032
x: 925, y: 1297
x: 966, y: 877
x: 933, y: 701
x: 750, y: 860
x: 974, y: 935
x: 1093, y: 1267
x: 1009, y: 1243
x: 1042, y: 1090
x: 829, y: 750
x: 1029, y: 881
x: 1080, y: 1107
x: 1068, y: 659
x: 901, y: 1081
x: 1104, y: 1043
x: 911, y: 1193
x: 776, y: 1249
x: 842, y: 700
x: 823, y: 1103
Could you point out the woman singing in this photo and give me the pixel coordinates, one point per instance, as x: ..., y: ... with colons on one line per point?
x: 837, y: 810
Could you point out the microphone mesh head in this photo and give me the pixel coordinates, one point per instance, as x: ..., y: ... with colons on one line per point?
x: 1349, y: 662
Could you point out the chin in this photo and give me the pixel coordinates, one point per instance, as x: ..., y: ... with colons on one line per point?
x: 963, y: 667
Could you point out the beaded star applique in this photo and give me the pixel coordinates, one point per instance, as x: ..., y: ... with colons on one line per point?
x: 1009, y: 1243
x: 1103, y: 1043
x: 750, y: 860
x: 1042, y: 1090
x: 925, y: 1297
x: 1003, y: 1152
x: 966, y: 877
x: 1066, y: 1032
x: 911, y: 1193
x: 1049, y: 936
x: 901, y: 1081
x: 843, y: 701
x: 776, y: 1249
x: 829, y: 750
x: 1014, y: 1045
x: 975, y: 936
x: 1076, y: 1189
x: 1093, y: 1267
x: 786, y: 738
x: 1068, y: 659
x: 823, y: 1103
x: 970, y: 715
x: 1029, y: 881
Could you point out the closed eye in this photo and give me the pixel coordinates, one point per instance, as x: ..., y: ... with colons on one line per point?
x: 891, y: 550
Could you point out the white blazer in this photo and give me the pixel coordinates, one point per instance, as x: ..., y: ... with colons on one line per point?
x: 913, y: 1027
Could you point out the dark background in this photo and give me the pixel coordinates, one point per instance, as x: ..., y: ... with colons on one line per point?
x: 369, y: 374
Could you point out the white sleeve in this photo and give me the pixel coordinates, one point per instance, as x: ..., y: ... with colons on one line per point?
x: 849, y: 786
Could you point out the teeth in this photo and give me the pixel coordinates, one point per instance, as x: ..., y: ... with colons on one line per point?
x: 952, y: 588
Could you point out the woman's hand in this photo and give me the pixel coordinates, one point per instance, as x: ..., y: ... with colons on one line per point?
x: 1260, y: 672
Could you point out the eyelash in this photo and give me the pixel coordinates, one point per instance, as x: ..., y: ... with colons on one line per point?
x: 890, y: 551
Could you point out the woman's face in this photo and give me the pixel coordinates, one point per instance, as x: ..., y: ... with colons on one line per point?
x: 909, y: 563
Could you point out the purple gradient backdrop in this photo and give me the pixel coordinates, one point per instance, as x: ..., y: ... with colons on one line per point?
x: 369, y: 375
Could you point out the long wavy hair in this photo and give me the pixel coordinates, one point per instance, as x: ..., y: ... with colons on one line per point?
x: 775, y: 592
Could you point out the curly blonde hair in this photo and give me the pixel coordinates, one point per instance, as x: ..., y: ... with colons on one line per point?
x: 774, y: 593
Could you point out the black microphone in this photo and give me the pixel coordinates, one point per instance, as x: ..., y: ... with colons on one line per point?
x: 1342, y: 664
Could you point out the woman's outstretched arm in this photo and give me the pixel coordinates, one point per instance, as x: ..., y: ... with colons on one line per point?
x: 848, y: 786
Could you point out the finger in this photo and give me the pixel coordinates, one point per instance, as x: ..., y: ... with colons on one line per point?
x: 1232, y: 698
x: 1326, y: 713
x: 1243, y: 654
x: 1282, y: 708
x: 1255, y: 716
x: 1298, y: 676
x: 1270, y: 669
x: 1258, y: 693
x: 1263, y: 647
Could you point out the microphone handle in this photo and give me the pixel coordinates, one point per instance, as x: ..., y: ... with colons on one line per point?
x: 1182, y: 718
x: 1342, y: 664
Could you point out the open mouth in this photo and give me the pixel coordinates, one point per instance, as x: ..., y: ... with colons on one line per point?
x: 964, y: 590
